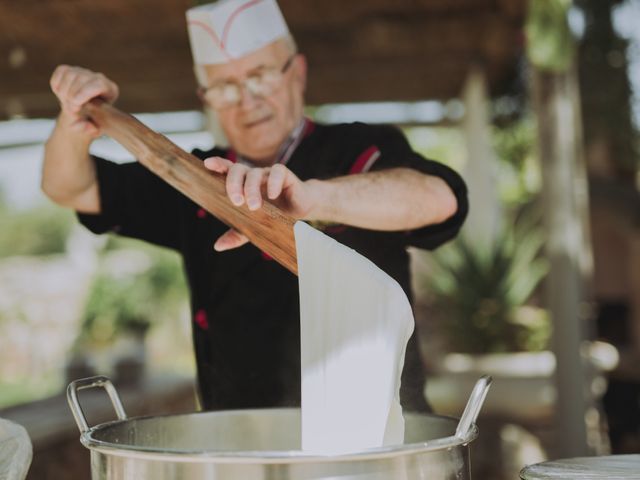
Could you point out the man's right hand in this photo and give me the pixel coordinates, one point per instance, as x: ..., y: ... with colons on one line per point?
x: 74, y: 87
x: 68, y: 173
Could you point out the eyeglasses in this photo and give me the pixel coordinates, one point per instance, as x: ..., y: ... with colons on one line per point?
x: 260, y: 83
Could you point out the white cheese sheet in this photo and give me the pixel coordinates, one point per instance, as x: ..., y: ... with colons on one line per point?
x: 355, y: 322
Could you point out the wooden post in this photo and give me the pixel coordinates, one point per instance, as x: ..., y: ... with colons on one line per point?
x: 568, y: 248
x: 634, y: 278
x: 484, y: 222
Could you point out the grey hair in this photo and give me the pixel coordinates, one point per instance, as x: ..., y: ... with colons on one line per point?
x: 290, y: 43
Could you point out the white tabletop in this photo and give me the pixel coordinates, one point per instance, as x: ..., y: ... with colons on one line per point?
x: 613, y: 467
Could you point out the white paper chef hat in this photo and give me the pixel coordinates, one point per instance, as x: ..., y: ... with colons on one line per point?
x: 229, y: 29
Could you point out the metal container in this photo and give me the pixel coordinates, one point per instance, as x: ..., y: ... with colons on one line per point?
x: 265, y: 445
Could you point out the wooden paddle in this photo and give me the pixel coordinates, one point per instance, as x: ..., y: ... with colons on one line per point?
x: 268, y: 228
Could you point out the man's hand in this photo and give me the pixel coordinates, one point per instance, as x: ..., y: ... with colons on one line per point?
x: 75, y: 86
x: 248, y: 185
x: 68, y: 173
x: 397, y: 199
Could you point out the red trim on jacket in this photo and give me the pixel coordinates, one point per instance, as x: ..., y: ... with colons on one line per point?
x: 365, y: 160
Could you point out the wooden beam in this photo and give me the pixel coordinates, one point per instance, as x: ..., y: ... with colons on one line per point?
x: 353, y: 48
x: 338, y: 12
x: 407, y: 80
x: 388, y: 38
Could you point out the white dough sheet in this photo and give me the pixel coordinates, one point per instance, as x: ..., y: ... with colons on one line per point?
x: 355, y: 321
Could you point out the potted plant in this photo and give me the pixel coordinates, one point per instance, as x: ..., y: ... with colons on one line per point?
x: 483, y: 303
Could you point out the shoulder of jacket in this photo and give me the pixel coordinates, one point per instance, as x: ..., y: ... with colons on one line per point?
x: 359, y: 129
x: 213, y: 152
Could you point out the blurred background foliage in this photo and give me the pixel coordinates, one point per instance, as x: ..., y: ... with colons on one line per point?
x: 550, y: 42
x: 519, y: 177
x: 122, y: 301
x: 485, y: 300
x: 485, y: 295
x: 605, y: 86
x: 136, y: 290
x: 36, y: 232
x: 519, y: 171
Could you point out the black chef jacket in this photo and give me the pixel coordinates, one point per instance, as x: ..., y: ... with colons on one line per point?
x: 245, y: 306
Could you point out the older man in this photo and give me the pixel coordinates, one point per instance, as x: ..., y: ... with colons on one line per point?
x: 362, y: 184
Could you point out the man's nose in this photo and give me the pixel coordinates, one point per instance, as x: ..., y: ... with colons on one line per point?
x: 248, y: 99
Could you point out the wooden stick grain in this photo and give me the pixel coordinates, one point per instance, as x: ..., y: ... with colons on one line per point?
x: 268, y: 228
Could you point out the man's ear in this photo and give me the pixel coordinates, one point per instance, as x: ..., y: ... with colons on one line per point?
x: 300, y: 70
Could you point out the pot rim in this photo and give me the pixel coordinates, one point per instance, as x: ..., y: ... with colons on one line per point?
x: 265, y: 456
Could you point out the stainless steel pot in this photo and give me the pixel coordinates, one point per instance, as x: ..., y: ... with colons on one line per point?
x: 265, y: 445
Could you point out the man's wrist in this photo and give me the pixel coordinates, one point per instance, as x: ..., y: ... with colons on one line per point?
x: 67, y: 124
x: 322, y: 195
x: 66, y: 120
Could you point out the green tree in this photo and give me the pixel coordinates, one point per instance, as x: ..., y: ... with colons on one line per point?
x: 606, y: 91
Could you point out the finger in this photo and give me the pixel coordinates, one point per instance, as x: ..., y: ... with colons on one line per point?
x: 235, y: 183
x: 276, y: 180
x: 79, y: 87
x: 93, y: 88
x: 84, y: 127
x: 90, y: 129
x: 66, y: 83
x: 218, y: 164
x: 230, y: 239
x: 56, y: 77
x: 111, y: 91
x: 73, y: 80
x: 252, y: 187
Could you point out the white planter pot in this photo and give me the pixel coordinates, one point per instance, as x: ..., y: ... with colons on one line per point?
x: 523, y: 387
x: 522, y: 384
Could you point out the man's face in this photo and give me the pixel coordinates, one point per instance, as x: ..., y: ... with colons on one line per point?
x: 258, y: 125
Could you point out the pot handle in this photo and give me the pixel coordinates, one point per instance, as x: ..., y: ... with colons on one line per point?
x: 471, y: 411
x: 91, y: 382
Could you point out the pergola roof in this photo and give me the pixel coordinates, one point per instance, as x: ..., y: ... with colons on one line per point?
x: 367, y: 50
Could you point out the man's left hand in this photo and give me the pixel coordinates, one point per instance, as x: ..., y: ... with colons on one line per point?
x: 245, y: 184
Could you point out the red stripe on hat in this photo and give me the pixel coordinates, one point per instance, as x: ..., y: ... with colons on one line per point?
x: 211, y: 33
x: 234, y: 14
x: 365, y: 160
